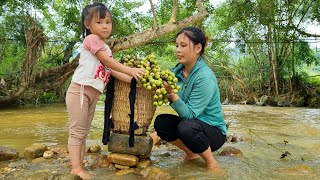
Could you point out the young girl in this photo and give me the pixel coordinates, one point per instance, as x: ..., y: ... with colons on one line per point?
x: 200, y: 128
x: 89, y: 79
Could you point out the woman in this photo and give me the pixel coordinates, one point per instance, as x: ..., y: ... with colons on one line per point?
x: 200, y: 128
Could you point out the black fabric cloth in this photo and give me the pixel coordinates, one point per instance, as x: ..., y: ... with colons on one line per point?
x: 132, y: 98
x: 195, y: 134
x: 108, y: 124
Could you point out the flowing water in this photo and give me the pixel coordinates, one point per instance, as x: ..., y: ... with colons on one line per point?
x: 266, y: 133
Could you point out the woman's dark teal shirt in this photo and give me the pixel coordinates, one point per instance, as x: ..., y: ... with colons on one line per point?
x: 199, y: 95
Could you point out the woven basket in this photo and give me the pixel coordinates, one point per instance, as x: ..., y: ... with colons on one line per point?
x: 143, y: 110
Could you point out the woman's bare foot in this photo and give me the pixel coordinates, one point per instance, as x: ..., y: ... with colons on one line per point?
x: 82, y: 174
x: 213, y: 166
x: 191, y: 157
x: 217, y: 171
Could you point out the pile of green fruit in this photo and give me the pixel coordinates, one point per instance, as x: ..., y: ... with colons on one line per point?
x: 153, y: 77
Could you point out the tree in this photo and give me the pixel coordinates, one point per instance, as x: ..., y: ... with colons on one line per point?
x: 268, y: 31
x: 54, y: 77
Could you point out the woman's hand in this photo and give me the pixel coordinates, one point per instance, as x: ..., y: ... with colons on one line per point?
x: 168, y: 87
x: 170, y: 94
x: 137, y: 73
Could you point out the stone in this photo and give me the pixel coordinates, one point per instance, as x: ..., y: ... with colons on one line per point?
x: 62, y: 151
x: 118, y: 166
x: 49, y: 154
x: 144, y: 172
x: 156, y: 139
x: 147, y: 156
x: 300, y: 169
x: 94, y: 149
x: 35, y: 150
x: 119, y: 143
x: 5, y: 170
x: 144, y: 163
x: 101, y: 161
x: 123, y: 159
x: 21, y: 164
x: 231, y: 151
x: 124, y: 172
x: 157, y: 174
x: 41, y: 160
x: 7, y: 153
x: 233, y: 138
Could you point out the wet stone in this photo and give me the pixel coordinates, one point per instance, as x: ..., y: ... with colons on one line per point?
x: 157, y: 174
x: 49, y: 154
x: 123, y: 159
x: 300, y: 169
x: 124, y: 172
x: 144, y: 172
x: 118, y: 166
x: 156, y: 139
x: 41, y: 160
x: 21, y: 164
x: 7, y: 153
x: 233, y: 138
x: 62, y: 151
x: 94, y: 149
x: 101, y: 161
x: 144, y: 163
x: 231, y: 151
x: 119, y: 143
x: 5, y: 170
x: 145, y: 156
x: 35, y: 150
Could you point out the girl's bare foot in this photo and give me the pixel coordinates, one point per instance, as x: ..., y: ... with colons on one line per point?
x: 191, y: 157
x: 82, y: 174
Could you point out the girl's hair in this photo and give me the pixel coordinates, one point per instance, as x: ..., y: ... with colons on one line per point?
x: 89, y: 11
x: 196, y: 35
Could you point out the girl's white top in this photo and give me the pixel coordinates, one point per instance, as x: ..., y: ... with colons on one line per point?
x: 90, y: 71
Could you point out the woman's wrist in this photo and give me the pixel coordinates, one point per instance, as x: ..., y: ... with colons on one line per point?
x: 172, y: 97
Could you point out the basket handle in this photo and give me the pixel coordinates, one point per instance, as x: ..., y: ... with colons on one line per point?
x: 108, y: 124
x: 132, y: 99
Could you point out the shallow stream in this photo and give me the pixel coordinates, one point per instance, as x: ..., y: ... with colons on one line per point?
x: 267, y: 132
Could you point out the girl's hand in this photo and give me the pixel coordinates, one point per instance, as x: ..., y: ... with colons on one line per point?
x: 137, y: 73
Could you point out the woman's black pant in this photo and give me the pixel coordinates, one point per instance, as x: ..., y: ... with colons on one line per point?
x: 195, y: 134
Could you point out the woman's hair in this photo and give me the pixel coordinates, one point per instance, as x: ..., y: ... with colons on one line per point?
x: 196, y: 35
x: 89, y: 11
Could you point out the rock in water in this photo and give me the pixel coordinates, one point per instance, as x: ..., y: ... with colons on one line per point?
x: 7, y: 153
x: 119, y: 143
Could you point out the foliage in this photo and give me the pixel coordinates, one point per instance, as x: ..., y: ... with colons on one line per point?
x: 48, y: 97
x: 11, y: 56
x: 249, y: 41
x: 305, y: 55
x: 265, y: 33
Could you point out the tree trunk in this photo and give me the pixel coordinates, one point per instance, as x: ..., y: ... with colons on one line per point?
x: 35, y: 42
x: 54, y: 78
x: 273, y: 62
x: 60, y: 74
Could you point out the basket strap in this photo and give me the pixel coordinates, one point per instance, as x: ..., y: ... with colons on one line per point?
x: 132, y: 99
x: 108, y: 124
